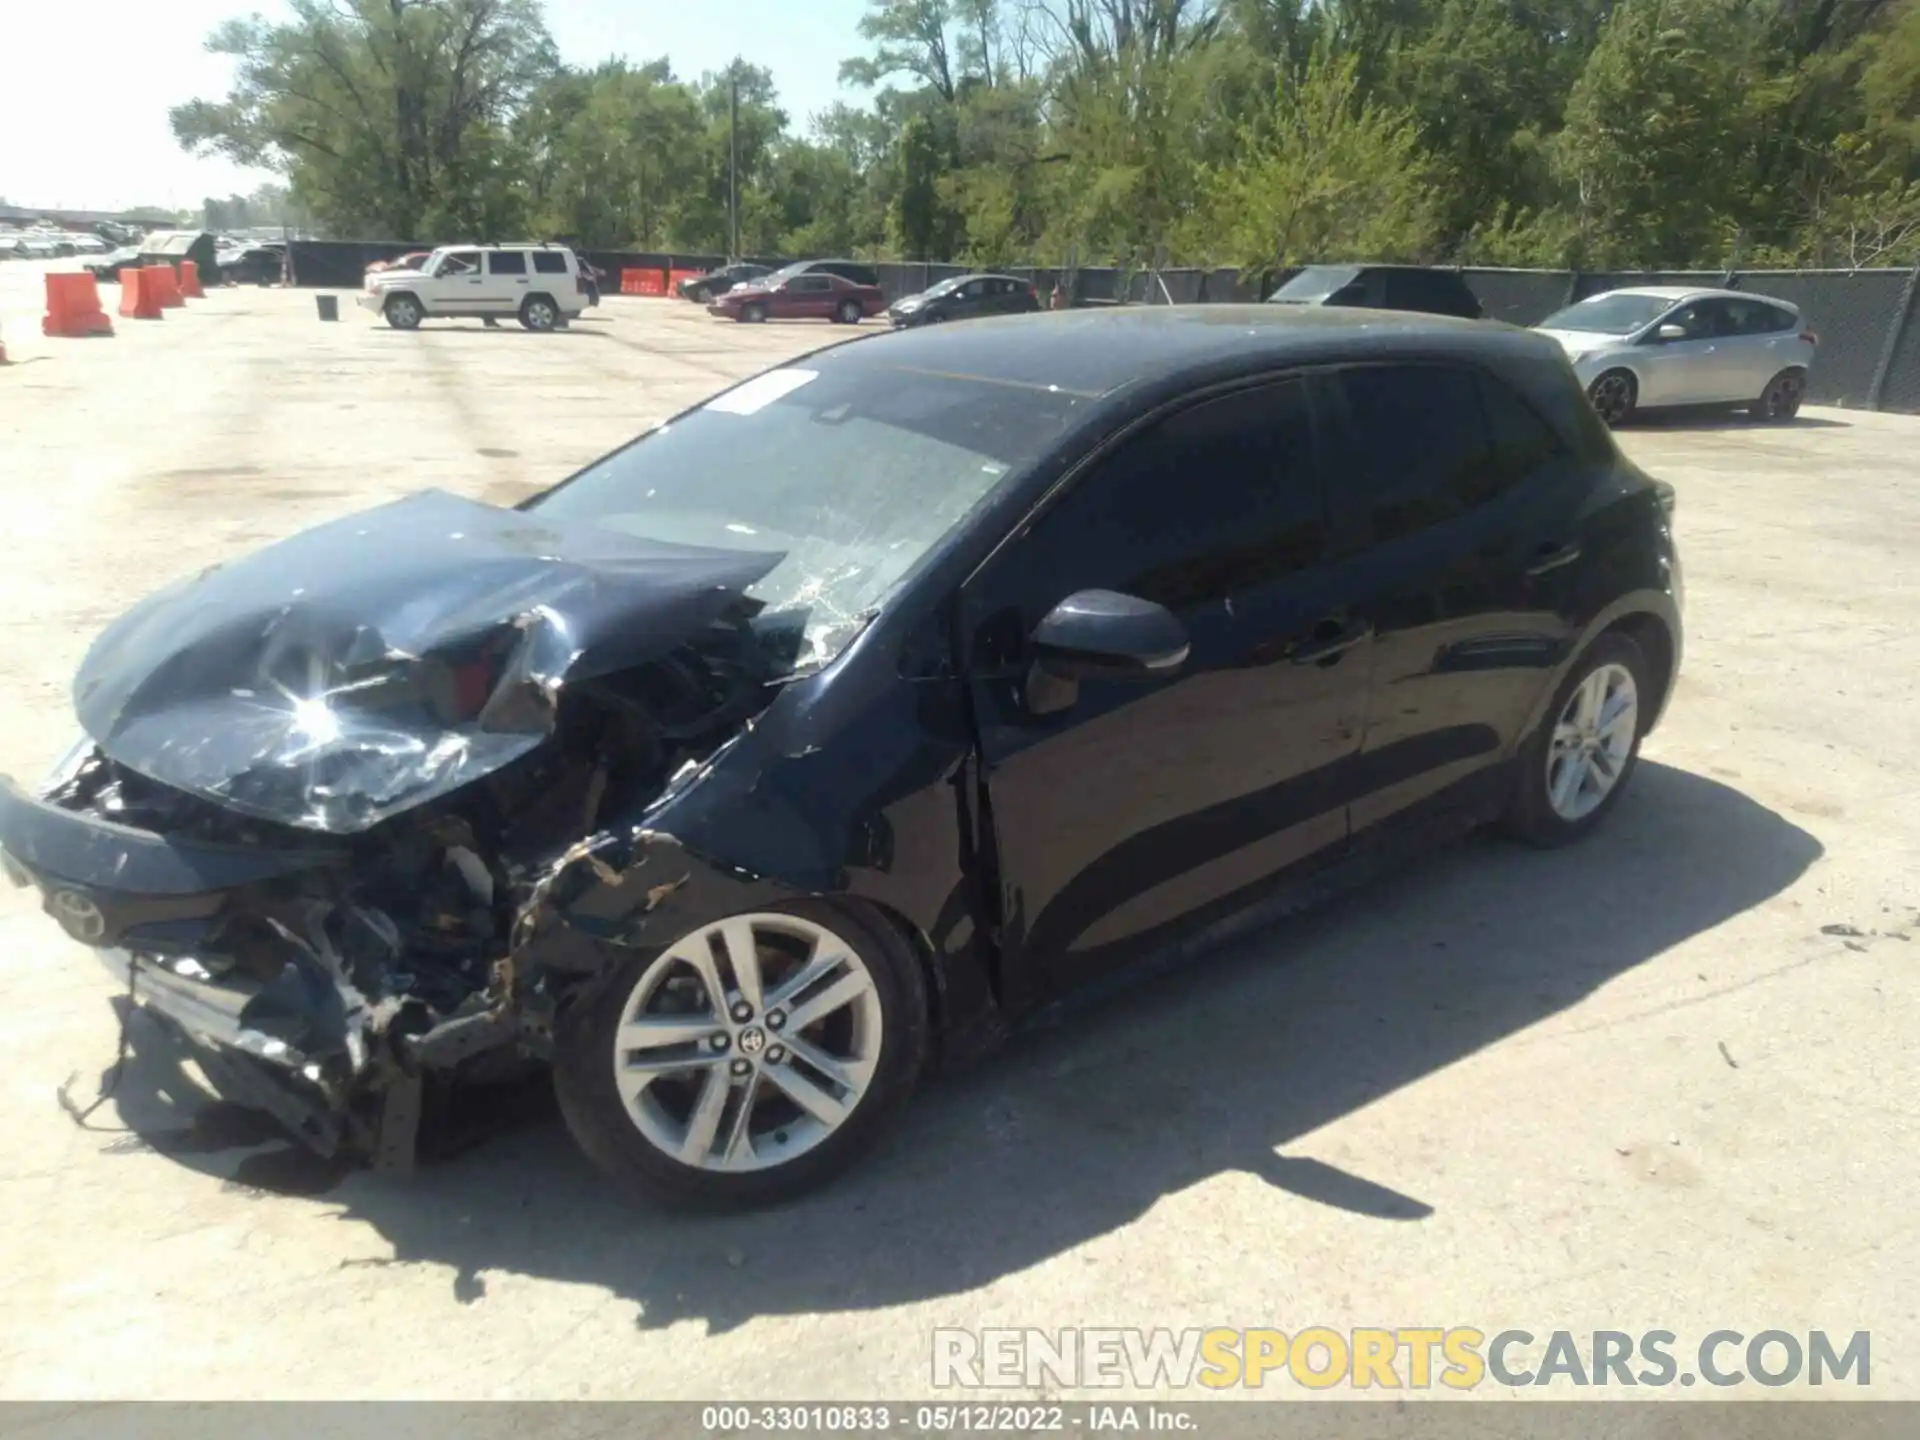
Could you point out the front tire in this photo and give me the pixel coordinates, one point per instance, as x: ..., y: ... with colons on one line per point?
x: 749, y: 1061
x: 1575, y: 767
x: 403, y: 312
x: 539, y: 314
x: 1780, y: 401
x: 1614, y: 396
x: 754, y: 314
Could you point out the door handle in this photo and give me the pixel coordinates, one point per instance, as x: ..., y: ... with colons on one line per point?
x: 1553, y: 557
x: 1331, y: 639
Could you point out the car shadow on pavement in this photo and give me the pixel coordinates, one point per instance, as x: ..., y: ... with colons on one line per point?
x: 1717, y: 419
x: 1075, y: 1130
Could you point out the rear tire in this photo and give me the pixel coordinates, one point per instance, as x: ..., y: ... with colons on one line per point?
x: 848, y: 313
x: 643, y: 1139
x: 1614, y: 396
x: 1780, y: 401
x: 539, y: 314
x: 1570, y: 776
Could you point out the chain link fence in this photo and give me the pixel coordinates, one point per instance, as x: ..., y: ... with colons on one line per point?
x: 1869, y: 332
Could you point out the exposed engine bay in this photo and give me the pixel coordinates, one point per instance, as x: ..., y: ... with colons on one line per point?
x: 314, y: 832
x: 414, y: 921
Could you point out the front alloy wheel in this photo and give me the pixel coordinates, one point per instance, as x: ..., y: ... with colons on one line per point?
x: 403, y: 312
x: 749, y: 1059
x: 1613, y: 396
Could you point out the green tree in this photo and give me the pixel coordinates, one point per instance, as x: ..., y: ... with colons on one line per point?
x: 1661, y: 142
x: 1333, y: 175
x: 387, y: 116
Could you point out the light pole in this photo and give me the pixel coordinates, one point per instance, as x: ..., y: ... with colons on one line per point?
x: 733, y: 159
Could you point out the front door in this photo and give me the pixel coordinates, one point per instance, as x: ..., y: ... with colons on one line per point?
x: 457, y: 286
x: 1682, y: 371
x: 1144, y: 806
x: 1456, y: 522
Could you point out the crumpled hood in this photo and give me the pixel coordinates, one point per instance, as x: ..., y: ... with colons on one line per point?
x: 380, y: 661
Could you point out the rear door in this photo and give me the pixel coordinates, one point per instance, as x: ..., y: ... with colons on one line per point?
x: 1009, y: 297
x: 509, y: 280
x: 1768, y: 341
x: 807, y: 297
x: 1141, y: 807
x: 1455, y: 512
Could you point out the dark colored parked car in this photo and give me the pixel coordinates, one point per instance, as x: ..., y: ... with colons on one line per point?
x: 832, y: 727
x: 702, y: 288
x: 107, y: 267
x: 257, y: 264
x: 1382, y: 287
x: 800, y: 295
x: 966, y: 297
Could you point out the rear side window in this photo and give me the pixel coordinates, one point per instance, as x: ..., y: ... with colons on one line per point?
x: 507, y: 262
x: 1407, y: 446
x: 549, y: 262
x: 1521, y: 441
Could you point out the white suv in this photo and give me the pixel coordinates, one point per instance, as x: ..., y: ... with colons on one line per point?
x: 538, y: 285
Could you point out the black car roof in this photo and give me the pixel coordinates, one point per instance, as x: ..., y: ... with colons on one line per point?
x: 1098, y: 352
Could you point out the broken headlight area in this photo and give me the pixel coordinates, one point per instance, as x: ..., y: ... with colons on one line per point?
x: 327, y: 974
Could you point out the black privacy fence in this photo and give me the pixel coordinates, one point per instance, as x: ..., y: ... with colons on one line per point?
x: 1869, y: 355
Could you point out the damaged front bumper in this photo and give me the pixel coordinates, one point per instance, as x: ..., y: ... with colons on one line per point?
x: 296, y: 1038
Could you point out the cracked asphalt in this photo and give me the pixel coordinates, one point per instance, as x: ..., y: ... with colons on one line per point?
x: 1661, y: 1080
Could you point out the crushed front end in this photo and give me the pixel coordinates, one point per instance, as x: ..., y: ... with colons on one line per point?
x: 314, y: 820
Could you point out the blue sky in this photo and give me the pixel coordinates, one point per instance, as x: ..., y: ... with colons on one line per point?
x: 83, y: 111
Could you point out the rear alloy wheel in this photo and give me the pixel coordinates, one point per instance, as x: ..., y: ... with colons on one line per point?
x: 849, y: 312
x: 749, y: 1060
x: 539, y: 313
x: 403, y: 312
x: 1576, y: 765
x: 1780, y: 401
x: 1614, y: 395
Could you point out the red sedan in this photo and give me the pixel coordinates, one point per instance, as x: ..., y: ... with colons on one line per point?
x: 814, y: 295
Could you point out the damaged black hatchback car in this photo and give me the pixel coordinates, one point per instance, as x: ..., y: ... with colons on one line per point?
x: 832, y: 726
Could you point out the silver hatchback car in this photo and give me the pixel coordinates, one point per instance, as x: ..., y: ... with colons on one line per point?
x: 1655, y: 346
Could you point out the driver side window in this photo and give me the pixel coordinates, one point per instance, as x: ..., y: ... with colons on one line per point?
x: 460, y: 262
x: 1204, y: 507
x: 1694, y: 319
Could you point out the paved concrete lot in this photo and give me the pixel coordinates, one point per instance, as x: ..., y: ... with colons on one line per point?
x: 1630, y: 1085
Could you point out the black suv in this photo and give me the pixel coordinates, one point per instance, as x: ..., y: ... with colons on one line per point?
x: 1381, y: 287
x: 702, y: 288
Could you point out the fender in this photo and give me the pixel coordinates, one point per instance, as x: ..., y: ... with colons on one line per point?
x: 1658, y: 606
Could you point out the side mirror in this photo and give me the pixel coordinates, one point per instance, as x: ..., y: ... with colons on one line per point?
x: 1102, y: 634
x: 1668, y: 333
